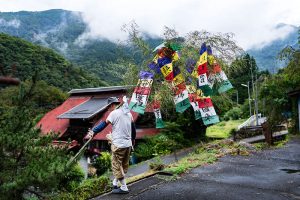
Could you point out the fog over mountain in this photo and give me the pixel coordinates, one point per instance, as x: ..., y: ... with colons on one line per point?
x: 66, y: 32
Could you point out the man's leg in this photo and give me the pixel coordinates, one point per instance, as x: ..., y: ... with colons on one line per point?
x: 125, y: 161
x: 118, y: 155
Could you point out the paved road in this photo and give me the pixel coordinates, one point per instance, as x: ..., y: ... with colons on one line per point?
x: 271, y: 174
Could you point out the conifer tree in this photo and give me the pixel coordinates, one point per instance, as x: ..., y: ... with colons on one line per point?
x: 30, y: 164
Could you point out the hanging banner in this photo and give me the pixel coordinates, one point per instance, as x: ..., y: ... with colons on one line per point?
x: 141, y: 93
x: 158, y: 119
x: 181, y: 98
x: 218, y: 74
x: 225, y: 84
x: 207, y: 111
x: 202, y: 71
x: 194, y: 102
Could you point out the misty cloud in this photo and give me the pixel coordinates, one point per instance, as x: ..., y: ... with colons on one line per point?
x: 12, y: 23
x: 253, y: 22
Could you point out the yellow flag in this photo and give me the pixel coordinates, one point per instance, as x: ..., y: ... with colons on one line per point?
x: 211, y: 59
x: 178, y: 79
x: 175, y: 57
x: 166, y: 69
x: 202, y: 59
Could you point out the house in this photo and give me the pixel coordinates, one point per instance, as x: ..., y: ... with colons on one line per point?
x: 5, y: 81
x: 83, y: 110
x: 295, y: 94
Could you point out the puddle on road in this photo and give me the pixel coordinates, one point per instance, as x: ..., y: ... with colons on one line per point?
x: 291, y: 171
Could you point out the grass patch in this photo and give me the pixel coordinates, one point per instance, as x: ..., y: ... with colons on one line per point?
x: 223, y: 129
x: 207, y: 154
x: 87, y: 189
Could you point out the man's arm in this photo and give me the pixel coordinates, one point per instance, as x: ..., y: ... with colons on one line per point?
x: 98, y: 128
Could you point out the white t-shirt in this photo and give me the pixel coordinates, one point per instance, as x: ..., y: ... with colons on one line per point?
x: 121, y: 128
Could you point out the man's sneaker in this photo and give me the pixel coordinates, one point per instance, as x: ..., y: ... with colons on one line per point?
x: 114, y: 187
x: 119, y: 191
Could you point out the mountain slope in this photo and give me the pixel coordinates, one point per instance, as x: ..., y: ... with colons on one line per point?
x: 61, y: 30
x: 266, y: 57
x: 51, y: 67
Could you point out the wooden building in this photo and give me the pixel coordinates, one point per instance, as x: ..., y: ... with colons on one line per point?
x: 83, y: 110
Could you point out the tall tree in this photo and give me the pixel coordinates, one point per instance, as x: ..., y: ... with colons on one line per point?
x: 242, y: 71
x: 29, y: 162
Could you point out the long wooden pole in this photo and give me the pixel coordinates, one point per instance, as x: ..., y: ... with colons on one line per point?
x: 79, y: 152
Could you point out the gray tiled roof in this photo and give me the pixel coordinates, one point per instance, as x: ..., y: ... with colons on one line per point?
x: 85, y: 110
x: 100, y: 89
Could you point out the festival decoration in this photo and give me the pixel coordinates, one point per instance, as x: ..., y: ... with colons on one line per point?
x: 217, y: 74
x: 207, y: 110
x: 141, y: 93
x: 201, y: 72
x: 210, y: 79
x: 158, y: 119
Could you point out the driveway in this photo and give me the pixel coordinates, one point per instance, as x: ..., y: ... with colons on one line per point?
x: 269, y: 174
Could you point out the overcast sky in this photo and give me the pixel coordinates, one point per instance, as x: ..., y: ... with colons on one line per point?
x: 252, y: 21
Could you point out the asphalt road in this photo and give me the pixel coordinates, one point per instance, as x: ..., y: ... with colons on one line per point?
x: 270, y: 174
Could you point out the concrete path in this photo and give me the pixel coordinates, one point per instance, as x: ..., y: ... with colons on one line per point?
x: 270, y: 174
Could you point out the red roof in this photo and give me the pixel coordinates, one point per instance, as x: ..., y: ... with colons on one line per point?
x: 9, y: 80
x: 50, y: 123
x: 141, y: 133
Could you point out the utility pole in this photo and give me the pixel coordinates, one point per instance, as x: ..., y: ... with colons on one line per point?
x: 256, y: 101
x: 254, y: 90
x: 249, y: 97
x: 248, y: 87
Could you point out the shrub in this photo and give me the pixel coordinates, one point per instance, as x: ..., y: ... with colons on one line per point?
x: 144, y: 150
x: 170, y: 139
x: 72, y: 178
x: 88, y: 189
x: 102, y: 163
x: 233, y: 114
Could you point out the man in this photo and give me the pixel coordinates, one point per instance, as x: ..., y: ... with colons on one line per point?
x: 123, y: 136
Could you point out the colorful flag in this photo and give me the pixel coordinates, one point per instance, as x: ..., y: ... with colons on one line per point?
x: 141, y: 93
x: 178, y: 77
x: 158, y: 119
x: 202, y: 72
x: 194, y: 102
x: 207, y: 111
x: 181, y: 98
x: 225, y: 84
x: 219, y: 74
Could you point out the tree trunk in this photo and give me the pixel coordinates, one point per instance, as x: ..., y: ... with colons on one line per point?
x: 267, y: 131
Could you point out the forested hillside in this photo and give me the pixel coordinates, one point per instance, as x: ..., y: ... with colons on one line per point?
x: 27, y: 59
x: 61, y: 31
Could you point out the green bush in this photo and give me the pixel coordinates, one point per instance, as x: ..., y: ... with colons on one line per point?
x: 233, y: 114
x: 103, y: 163
x: 88, y: 189
x: 144, y: 150
x: 72, y: 178
x: 170, y: 139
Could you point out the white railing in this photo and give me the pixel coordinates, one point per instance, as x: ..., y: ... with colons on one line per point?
x: 252, y: 121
